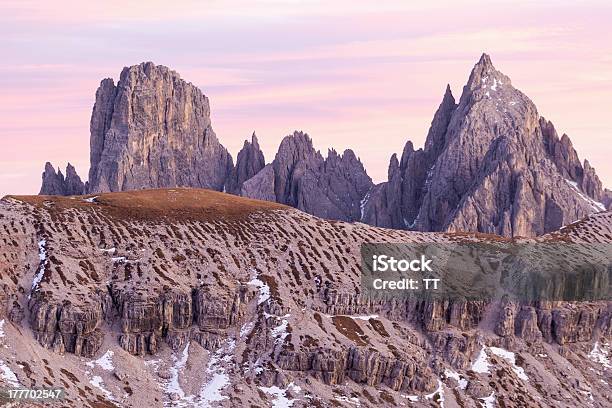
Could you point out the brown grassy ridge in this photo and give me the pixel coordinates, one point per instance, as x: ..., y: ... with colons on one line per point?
x: 153, y: 204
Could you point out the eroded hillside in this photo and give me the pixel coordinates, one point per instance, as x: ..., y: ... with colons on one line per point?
x: 184, y: 297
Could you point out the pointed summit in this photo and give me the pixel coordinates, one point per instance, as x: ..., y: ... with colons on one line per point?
x: 249, y: 162
x: 254, y: 140
x: 485, y: 76
x: 437, y: 132
x: 56, y: 184
x: 448, y: 94
x: 485, y: 60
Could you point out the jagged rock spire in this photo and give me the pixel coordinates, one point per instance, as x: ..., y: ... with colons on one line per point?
x: 249, y: 162
x: 299, y: 176
x: 490, y: 164
x: 55, y: 184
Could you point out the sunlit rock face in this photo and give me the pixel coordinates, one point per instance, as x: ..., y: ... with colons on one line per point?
x: 490, y: 164
x: 153, y: 130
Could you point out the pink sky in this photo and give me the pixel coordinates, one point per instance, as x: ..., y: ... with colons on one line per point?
x: 364, y: 75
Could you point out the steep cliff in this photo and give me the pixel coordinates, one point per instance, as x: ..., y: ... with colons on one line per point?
x: 396, y: 203
x: 249, y: 162
x: 151, y: 130
x: 55, y: 184
x: 490, y: 164
x: 331, y: 187
x: 607, y: 198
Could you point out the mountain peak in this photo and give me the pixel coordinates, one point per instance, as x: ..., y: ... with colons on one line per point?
x: 484, y: 75
x: 485, y: 60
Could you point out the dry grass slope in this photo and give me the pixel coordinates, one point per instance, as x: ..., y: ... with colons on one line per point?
x: 154, y: 204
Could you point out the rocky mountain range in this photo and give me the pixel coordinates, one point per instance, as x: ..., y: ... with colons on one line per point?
x: 299, y: 176
x: 490, y: 162
x: 195, y: 298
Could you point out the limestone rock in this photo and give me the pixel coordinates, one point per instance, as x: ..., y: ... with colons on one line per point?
x: 331, y: 187
x: 607, y: 198
x: 396, y: 203
x: 153, y: 130
x: 55, y: 184
x: 249, y: 162
x: 73, y: 184
x: 52, y: 183
x: 260, y: 186
x: 490, y: 164
x: 270, y: 290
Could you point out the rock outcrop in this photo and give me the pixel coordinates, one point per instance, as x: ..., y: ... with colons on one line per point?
x: 260, y: 186
x: 299, y: 176
x: 250, y: 296
x: 153, y: 130
x: 490, y: 164
x: 396, y: 203
x: 562, y: 153
x: 607, y: 198
x: 55, y: 184
x: 249, y: 162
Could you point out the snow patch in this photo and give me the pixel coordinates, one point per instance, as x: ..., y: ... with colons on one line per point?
x: 453, y: 374
x: 246, y: 329
x: 90, y: 199
x: 495, y: 83
x: 596, y: 205
x: 109, y: 250
x: 357, y: 317
x: 363, y: 203
x: 97, y: 382
x: 264, y: 289
x: 173, y: 385
x: 601, y: 354
x: 105, y: 362
x: 2, y: 328
x: 280, y: 332
x: 511, y: 358
x: 481, y: 364
x: 42, y: 255
x: 440, y: 392
x: 488, y: 402
x: 411, y: 398
x: 8, y: 375
x: 211, y: 391
x: 280, y: 395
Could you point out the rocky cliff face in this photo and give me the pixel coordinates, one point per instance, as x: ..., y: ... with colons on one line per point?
x: 55, y: 184
x: 562, y: 153
x: 607, y: 198
x: 153, y: 130
x: 182, y: 295
x: 249, y: 162
x: 396, y: 203
x: 490, y: 164
x: 299, y: 176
